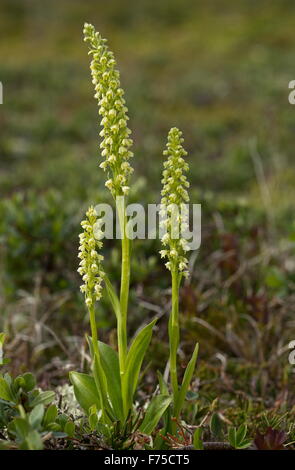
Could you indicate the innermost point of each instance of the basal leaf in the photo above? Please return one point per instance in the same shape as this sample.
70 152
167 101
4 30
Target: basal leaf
154 412
113 297
197 440
186 382
110 364
133 364
85 390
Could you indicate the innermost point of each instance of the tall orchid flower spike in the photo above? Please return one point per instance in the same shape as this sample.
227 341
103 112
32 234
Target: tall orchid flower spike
116 143
90 267
174 198
175 247
115 150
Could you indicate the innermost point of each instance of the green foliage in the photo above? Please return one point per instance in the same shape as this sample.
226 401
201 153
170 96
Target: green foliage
237 437
22 391
197 440
3 360
154 412
186 382
239 299
216 426
35 232
26 417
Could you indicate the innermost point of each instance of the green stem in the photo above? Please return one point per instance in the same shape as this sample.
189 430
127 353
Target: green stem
93 330
124 291
96 354
174 333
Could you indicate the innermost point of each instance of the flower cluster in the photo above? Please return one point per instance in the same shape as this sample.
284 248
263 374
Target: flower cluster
174 199
116 143
90 261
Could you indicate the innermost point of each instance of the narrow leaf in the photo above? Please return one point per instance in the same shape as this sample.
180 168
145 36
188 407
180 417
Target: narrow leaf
101 383
162 384
113 297
133 364
232 436
110 364
241 433
198 443
154 412
186 382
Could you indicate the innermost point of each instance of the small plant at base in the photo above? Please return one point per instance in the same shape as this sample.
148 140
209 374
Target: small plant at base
27 416
237 437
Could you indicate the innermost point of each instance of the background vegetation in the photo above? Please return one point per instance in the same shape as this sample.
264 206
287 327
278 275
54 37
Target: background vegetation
219 71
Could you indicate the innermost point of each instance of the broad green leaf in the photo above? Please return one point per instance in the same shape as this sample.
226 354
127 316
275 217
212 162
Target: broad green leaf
244 444
55 427
154 412
70 428
21 427
113 297
30 381
186 382
44 398
62 419
50 415
99 378
2 338
110 363
5 391
8 379
216 425
135 357
36 416
241 433
18 383
198 443
32 442
26 381
232 436
101 386
85 390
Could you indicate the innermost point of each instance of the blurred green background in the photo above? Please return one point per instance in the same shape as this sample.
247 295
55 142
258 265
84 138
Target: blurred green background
219 70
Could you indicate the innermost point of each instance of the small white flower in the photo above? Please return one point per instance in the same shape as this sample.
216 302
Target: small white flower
90 261
125 189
